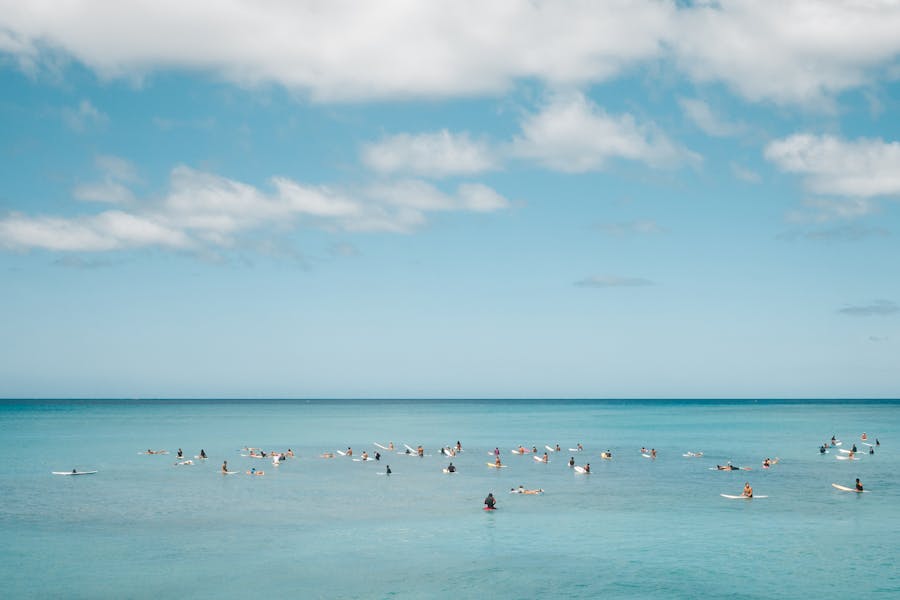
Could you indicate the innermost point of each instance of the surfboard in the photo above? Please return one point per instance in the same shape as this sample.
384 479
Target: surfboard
516 452
75 473
338 451
490 508
496 466
646 455
230 472
574 450
844 488
539 459
730 497
410 448
550 448
380 446
692 454
579 469
847 457
184 463
867 444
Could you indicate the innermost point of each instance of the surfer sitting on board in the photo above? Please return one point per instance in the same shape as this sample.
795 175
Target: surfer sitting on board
571 461
859 486
545 458
587 467
451 468
748 491
489 502
497 461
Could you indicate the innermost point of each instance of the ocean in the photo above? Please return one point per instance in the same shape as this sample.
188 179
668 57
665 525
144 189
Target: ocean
143 527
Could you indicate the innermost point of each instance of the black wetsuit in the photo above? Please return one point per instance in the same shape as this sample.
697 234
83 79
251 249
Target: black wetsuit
489 501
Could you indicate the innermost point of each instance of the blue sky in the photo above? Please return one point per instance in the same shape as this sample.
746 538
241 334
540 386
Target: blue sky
445 199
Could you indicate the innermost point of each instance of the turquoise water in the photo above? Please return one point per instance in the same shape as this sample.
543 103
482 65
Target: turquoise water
317 528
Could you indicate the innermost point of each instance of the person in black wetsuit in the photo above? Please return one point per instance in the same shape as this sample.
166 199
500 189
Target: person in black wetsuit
202 453
388 470
451 468
377 456
489 502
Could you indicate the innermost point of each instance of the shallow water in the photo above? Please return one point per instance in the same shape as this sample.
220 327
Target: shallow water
317 528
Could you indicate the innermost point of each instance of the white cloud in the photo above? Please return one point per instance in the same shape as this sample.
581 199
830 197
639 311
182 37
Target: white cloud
573 135
794 51
864 168
84 117
203 210
439 154
701 115
345 49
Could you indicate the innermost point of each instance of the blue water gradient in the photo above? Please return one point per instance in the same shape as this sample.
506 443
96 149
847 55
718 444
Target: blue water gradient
319 528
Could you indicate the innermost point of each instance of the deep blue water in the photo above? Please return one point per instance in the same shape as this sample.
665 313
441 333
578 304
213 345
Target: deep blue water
320 528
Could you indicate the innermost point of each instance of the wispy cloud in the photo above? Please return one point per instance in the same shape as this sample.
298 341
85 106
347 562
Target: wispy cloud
113 188
83 117
573 135
641 227
612 281
204 210
439 154
744 174
842 233
878 308
701 115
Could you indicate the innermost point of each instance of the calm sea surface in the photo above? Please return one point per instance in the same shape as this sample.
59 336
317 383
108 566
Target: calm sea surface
318 528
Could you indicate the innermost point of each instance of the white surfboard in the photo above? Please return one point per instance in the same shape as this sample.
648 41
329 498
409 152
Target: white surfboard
496 466
867 444
580 470
646 455
540 459
731 497
550 448
844 488
338 451
692 454
73 473
847 457
230 472
380 446
410 448
574 450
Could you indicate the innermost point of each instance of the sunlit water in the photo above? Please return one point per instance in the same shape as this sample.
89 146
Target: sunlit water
318 528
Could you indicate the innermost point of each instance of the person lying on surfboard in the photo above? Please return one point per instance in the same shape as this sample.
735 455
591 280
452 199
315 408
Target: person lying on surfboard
748 491
728 467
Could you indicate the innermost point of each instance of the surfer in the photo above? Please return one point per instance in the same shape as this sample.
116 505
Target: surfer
571 461
522 449
871 449
643 450
859 485
587 467
74 472
451 468
180 454
748 491
496 451
579 446
607 455
545 458
864 437
458 446
377 455
349 451
387 471
327 455
365 455
558 449
728 467
877 443
202 453
534 449
390 445
823 449
497 462
767 463
420 450
653 453
490 503
225 467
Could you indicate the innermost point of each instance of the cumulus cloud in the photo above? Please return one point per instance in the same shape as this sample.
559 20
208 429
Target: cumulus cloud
346 49
878 308
573 135
863 168
204 210
795 52
612 281
439 154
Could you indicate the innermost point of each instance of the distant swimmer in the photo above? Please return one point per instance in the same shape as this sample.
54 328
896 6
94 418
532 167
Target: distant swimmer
290 453
451 468
390 445
864 437
859 485
558 449
534 449
327 455
571 461
420 450
387 471
877 443
853 449
496 451
458 446
490 503
748 491
579 446
728 467
545 458
653 453
871 449
587 467
365 455
253 471
225 467
202 453
349 451
766 463
377 455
